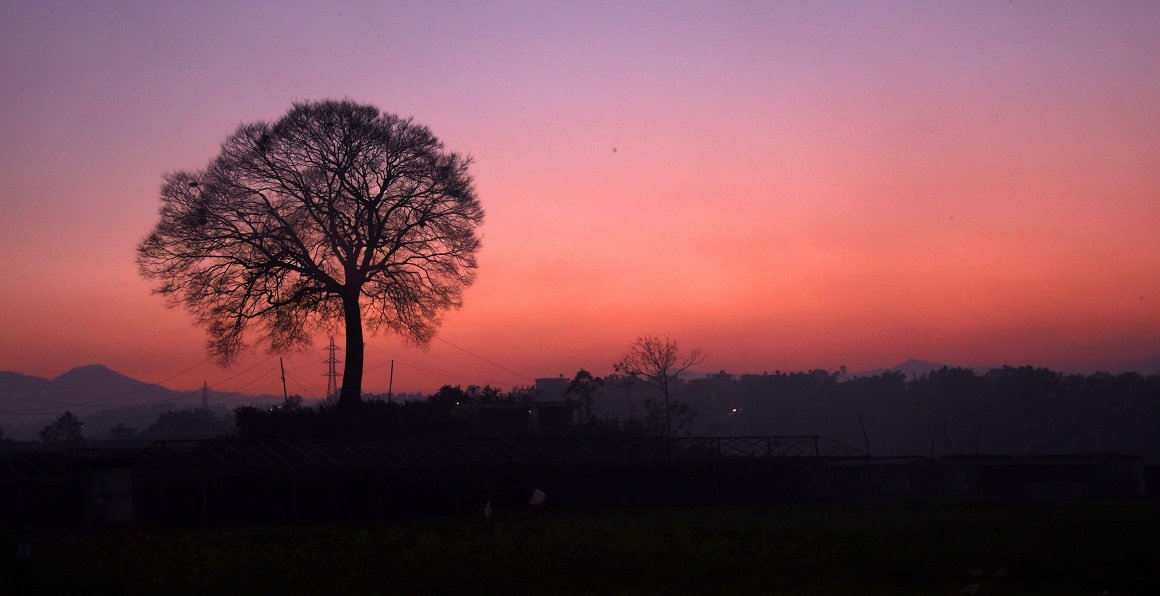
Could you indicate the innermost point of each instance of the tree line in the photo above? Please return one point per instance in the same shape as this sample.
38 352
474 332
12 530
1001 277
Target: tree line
1023 409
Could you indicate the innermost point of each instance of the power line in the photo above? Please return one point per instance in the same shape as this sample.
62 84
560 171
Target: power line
445 373
262 376
227 379
302 385
433 370
474 355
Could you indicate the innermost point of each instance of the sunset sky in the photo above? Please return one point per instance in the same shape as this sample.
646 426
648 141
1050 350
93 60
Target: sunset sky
784 185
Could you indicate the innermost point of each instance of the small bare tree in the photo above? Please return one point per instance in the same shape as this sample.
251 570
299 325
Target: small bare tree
658 363
334 211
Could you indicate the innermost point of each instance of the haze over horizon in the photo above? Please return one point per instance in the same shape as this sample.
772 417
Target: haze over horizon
785 186
911 366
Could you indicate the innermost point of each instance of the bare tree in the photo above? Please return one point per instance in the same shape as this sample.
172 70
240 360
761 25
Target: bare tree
658 362
333 212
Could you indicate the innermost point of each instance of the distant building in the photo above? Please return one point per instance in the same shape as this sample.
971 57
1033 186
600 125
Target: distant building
551 388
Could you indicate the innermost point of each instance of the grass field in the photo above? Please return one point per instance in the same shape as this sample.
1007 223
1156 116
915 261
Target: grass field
804 549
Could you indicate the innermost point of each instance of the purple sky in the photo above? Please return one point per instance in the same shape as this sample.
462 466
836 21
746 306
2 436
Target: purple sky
794 185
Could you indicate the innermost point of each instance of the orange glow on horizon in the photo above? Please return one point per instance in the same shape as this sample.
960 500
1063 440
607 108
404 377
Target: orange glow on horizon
784 186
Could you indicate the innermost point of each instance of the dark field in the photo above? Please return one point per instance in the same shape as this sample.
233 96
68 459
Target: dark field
805 549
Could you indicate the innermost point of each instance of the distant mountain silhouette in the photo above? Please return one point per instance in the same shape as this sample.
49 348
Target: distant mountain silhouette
15 385
97 384
101 397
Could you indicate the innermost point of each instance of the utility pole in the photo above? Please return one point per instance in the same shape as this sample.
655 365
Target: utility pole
285 398
391 383
204 395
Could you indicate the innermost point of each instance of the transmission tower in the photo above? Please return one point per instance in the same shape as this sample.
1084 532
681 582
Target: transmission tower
204 395
331 373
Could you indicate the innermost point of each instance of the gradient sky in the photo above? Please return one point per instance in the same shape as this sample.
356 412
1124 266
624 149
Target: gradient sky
784 185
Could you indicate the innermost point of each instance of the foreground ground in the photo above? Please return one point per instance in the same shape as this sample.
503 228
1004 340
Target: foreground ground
802 549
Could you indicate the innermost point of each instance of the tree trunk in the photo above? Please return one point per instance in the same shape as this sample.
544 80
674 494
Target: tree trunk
352 369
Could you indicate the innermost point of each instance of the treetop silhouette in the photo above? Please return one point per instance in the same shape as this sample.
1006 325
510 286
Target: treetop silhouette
659 363
336 211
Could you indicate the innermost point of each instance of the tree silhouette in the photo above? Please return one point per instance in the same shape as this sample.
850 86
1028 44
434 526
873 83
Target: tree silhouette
334 211
66 429
658 362
584 386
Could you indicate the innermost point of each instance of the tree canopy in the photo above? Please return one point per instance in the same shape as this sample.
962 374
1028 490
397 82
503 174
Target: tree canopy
65 429
659 363
334 212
